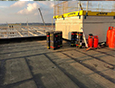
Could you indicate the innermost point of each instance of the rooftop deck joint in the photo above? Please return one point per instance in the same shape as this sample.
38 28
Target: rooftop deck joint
34 78
17 83
97 58
93 69
76 81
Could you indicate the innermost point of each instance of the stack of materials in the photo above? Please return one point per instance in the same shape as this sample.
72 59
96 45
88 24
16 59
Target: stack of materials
48 39
76 39
80 39
73 38
54 39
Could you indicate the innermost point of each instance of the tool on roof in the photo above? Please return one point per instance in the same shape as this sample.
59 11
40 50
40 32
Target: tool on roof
84 38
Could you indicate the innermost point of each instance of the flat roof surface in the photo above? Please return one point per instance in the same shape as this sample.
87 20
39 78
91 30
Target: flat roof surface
32 65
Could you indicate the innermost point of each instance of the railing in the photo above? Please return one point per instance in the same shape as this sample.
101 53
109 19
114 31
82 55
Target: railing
25 31
70 6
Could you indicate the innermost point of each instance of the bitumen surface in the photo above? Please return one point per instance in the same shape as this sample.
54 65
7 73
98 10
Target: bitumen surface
31 65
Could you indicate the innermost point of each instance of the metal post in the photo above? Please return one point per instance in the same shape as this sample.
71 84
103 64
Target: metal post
98 6
7 30
80 5
52 23
27 26
102 8
113 8
87 6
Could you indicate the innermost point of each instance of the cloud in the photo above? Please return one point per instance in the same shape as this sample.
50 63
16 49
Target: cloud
30 8
35 14
19 4
24 11
47 3
52 5
3 6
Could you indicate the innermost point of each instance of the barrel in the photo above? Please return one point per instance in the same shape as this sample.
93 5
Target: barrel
112 39
108 36
95 44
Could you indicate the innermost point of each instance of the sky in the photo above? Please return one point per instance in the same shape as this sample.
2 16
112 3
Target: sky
21 11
